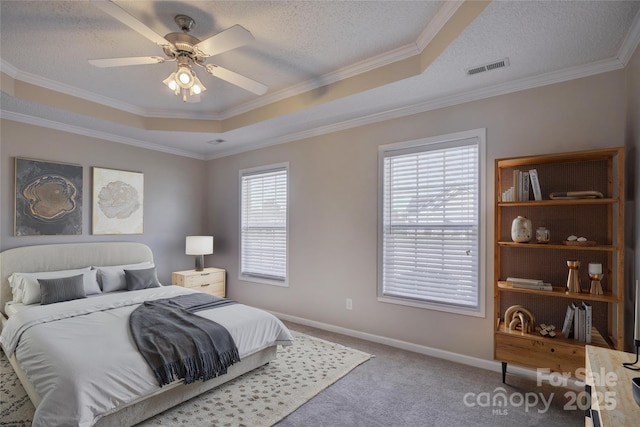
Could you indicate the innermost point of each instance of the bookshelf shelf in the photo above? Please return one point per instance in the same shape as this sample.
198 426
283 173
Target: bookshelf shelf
560 246
597 338
599 220
561 202
560 292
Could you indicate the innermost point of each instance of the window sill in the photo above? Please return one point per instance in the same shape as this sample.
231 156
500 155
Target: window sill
263 281
473 312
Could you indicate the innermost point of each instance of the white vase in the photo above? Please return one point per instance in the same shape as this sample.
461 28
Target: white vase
521 229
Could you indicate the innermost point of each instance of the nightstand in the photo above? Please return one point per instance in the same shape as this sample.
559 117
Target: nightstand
209 280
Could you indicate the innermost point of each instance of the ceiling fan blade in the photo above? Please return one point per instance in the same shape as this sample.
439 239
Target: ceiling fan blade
236 79
231 38
128 20
123 62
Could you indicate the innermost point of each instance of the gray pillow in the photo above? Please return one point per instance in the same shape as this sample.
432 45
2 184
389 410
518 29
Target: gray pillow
112 278
142 279
61 289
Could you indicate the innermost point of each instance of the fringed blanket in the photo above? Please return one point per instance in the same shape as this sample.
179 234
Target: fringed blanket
178 344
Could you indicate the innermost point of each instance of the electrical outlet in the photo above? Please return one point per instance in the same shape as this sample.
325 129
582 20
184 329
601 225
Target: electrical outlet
349 304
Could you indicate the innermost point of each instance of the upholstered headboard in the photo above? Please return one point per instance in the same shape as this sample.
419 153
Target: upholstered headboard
29 259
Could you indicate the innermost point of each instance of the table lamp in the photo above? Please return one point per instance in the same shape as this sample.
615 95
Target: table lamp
199 246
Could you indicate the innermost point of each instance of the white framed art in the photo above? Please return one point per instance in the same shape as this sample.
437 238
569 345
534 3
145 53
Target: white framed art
118 201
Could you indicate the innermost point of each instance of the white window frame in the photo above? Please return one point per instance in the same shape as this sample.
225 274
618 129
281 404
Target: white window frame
251 277
440 141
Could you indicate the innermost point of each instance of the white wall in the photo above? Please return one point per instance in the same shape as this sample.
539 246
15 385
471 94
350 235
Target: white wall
333 193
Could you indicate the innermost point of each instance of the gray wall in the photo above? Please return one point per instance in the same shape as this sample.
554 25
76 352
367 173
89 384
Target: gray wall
173 201
334 199
333 216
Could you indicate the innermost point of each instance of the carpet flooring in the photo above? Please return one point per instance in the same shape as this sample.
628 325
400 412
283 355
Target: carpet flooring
405 389
258 398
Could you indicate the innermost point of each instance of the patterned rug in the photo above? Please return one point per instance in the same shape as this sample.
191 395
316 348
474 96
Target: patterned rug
259 398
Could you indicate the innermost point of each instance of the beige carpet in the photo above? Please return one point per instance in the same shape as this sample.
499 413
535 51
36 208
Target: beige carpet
259 398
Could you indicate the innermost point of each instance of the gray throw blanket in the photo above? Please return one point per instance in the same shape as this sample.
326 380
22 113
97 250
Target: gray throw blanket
178 344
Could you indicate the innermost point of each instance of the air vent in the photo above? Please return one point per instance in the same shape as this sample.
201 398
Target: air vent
488 67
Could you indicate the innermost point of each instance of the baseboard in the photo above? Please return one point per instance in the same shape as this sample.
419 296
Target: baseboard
490 365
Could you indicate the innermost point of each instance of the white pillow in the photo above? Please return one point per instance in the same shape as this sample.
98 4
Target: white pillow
15 281
91 285
112 278
29 288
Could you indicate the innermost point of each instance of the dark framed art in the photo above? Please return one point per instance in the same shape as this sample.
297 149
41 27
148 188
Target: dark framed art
48 198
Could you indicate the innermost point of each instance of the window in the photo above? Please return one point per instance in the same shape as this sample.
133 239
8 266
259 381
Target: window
263 224
429 233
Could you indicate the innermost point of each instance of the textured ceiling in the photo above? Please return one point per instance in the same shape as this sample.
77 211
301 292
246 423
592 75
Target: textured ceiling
299 47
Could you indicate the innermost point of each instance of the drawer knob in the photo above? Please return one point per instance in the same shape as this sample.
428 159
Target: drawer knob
552 350
202 286
205 274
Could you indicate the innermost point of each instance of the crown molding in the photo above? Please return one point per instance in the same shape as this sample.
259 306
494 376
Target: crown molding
43 82
434 104
67 89
446 11
369 64
8 69
393 113
630 42
64 127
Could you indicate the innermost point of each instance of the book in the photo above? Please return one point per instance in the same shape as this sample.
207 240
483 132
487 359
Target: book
517 185
588 321
507 195
525 281
576 195
581 324
525 186
535 184
537 287
568 322
576 322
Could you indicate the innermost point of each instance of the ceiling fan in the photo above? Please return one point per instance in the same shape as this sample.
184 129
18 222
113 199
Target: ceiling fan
186 50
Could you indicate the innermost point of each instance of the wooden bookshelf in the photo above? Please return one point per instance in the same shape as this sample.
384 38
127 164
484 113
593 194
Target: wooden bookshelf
599 220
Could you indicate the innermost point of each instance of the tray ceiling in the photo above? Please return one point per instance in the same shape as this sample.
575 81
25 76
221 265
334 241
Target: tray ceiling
328 64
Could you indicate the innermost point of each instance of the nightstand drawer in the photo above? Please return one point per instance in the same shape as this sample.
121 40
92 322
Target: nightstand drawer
216 289
196 280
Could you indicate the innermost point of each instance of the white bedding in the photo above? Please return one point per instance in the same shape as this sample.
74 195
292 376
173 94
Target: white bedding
81 359
12 308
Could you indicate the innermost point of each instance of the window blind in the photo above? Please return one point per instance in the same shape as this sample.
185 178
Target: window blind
430 223
264 224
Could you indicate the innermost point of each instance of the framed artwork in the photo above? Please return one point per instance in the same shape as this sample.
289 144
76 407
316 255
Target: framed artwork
118 201
48 198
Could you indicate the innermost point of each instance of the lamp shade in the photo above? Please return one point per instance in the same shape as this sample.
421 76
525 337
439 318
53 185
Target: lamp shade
199 245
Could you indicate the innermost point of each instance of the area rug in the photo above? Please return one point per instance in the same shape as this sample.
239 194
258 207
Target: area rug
259 398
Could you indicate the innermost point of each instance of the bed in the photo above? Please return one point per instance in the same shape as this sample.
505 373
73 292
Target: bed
84 347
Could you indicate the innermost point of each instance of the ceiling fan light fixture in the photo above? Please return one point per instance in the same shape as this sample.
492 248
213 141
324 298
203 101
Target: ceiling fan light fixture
184 77
171 83
197 87
187 51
